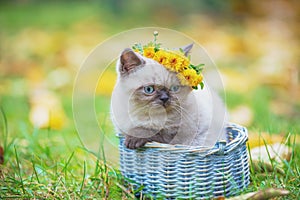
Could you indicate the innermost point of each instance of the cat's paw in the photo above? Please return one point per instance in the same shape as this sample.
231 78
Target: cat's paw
134 143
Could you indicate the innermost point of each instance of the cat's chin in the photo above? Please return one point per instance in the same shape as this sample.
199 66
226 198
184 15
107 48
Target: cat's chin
161 109
165 106
157 111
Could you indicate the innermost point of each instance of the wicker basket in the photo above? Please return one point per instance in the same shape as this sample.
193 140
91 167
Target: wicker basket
177 171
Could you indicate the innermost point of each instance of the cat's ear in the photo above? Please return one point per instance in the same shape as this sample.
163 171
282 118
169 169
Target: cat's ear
187 49
129 61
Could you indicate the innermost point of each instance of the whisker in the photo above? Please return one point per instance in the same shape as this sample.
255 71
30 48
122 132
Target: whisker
184 114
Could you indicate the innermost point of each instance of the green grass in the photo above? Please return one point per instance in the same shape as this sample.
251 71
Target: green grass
46 15
43 164
277 174
264 119
51 164
54 165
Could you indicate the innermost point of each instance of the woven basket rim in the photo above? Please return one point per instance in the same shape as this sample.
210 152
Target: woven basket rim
224 145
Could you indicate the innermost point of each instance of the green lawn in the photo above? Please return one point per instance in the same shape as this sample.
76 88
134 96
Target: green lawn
54 164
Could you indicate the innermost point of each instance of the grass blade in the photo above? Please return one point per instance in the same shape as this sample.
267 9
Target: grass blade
19 170
83 178
5 128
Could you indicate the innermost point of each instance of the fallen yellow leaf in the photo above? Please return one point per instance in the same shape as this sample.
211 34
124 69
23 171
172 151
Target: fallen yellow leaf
46 110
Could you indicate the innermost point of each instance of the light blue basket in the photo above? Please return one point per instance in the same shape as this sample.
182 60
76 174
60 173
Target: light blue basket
178 171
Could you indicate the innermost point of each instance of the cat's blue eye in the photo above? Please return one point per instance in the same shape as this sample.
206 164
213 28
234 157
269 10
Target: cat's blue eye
149 89
175 88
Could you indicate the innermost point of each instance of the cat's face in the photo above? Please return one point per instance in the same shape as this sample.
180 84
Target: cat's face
153 93
157 96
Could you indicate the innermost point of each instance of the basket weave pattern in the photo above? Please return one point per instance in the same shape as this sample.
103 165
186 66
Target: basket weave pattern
184 172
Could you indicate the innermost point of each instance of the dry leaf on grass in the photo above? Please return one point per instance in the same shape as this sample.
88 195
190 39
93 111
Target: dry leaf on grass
275 151
260 138
262 194
46 110
219 198
269 193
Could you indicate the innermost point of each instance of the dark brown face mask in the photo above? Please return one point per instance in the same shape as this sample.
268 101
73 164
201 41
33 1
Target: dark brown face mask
163 95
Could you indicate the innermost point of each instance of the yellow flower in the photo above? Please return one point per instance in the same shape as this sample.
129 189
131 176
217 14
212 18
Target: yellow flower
176 62
149 52
171 60
182 79
186 62
162 57
190 77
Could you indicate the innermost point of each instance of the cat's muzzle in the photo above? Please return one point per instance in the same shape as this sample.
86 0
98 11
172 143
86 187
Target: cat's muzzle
164 97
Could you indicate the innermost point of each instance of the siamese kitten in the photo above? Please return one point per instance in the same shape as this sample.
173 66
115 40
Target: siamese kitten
149 104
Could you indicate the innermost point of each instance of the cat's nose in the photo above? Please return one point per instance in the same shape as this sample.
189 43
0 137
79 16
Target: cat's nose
164 97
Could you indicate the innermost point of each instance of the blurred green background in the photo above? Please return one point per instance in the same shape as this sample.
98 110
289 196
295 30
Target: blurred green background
255 45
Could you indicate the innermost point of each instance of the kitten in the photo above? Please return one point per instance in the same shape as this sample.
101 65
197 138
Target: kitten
149 104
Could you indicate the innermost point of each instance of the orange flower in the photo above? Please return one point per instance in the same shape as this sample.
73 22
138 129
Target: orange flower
162 58
190 77
149 52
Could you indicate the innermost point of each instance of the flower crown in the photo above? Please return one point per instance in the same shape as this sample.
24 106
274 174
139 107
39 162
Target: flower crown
175 61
